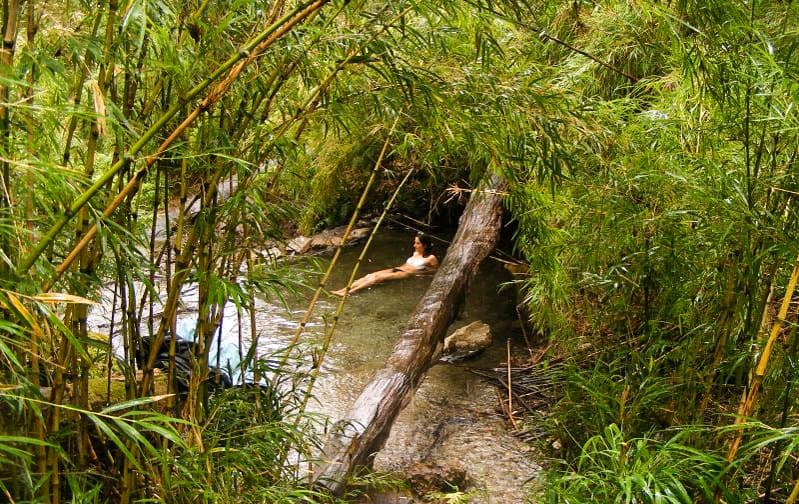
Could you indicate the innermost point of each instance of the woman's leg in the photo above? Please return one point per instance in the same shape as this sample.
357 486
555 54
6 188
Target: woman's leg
374 278
360 283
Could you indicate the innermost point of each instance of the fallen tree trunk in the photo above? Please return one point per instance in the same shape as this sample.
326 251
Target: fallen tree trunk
361 434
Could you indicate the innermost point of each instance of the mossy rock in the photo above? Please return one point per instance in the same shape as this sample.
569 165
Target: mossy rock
100 398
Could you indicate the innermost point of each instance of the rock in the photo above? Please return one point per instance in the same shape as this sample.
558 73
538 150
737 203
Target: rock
429 477
359 233
273 253
326 239
332 237
184 363
300 245
467 341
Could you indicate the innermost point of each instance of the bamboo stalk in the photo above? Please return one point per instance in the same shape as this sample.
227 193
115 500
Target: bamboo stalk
786 408
725 322
132 81
130 325
510 387
195 401
10 27
750 399
80 312
57 399
154 261
794 493
32 27
181 273
253 333
39 426
110 360
171 319
317 365
78 93
345 236
234 66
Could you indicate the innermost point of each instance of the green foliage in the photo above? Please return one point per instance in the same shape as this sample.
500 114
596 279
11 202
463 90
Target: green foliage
656 264
629 393
335 173
650 150
612 467
246 441
453 497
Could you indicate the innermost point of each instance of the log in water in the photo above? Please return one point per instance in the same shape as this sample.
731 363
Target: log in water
363 431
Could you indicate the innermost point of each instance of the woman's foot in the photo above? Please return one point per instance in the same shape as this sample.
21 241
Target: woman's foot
339 293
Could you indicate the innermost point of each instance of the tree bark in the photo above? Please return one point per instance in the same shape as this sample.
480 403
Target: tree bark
362 433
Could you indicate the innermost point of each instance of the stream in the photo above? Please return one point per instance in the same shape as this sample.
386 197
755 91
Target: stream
453 419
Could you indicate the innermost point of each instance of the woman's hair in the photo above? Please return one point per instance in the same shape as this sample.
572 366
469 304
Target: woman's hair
426 242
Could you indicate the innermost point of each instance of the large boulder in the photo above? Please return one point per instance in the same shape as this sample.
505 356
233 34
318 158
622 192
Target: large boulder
467 341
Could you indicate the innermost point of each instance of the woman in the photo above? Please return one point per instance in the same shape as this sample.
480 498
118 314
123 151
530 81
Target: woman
422 261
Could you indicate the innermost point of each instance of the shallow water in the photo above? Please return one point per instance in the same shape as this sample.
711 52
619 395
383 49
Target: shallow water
453 418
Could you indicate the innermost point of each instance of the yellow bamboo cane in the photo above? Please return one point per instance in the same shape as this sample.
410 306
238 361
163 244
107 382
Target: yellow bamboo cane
234 66
340 308
213 96
749 400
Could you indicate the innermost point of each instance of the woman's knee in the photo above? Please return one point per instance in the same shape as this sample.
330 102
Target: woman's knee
380 275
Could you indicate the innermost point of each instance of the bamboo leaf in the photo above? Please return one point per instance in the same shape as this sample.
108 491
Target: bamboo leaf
60 297
109 432
135 403
22 310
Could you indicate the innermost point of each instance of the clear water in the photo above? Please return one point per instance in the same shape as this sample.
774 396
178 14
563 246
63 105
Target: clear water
453 418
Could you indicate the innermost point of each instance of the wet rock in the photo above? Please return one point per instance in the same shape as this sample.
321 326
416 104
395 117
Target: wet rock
273 253
184 363
300 245
467 341
359 233
326 239
429 477
333 237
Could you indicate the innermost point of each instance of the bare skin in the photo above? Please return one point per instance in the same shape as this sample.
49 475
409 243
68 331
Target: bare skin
403 271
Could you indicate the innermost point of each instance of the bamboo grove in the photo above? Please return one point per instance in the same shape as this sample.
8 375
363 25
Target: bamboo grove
153 151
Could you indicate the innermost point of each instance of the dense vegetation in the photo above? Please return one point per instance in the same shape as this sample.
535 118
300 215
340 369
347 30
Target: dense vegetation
649 150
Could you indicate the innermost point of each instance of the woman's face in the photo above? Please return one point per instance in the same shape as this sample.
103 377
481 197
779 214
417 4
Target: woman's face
417 246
